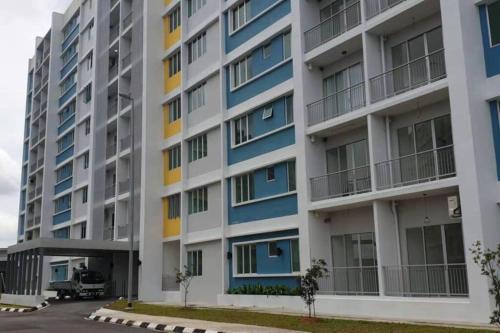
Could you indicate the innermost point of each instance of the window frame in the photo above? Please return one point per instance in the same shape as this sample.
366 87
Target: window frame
270 171
198 200
175 202
197 97
191 255
174 64
198 148
197 47
275 250
244 6
174 157
174 19
241 181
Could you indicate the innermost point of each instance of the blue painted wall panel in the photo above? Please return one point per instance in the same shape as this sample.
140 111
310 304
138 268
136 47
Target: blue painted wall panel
61 217
491 54
64 185
278 75
280 139
62 233
66 124
496 133
264 188
65 155
266 264
258 25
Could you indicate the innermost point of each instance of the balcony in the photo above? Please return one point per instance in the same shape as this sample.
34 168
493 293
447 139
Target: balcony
124 186
122 231
376 7
336 105
43 106
114 31
30 222
63 156
41 134
441 280
127 21
36 113
40 162
67 123
33 167
37 220
350 281
70 37
39 190
416 168
69 65
340 184
127 60
415 74
113 72
110 151
31 195
125 143
67 95
334 26
109 192
112 108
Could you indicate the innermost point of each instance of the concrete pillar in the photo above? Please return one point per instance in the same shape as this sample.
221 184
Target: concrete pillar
35 273
18 272
40 274
8 274
29 277
22 287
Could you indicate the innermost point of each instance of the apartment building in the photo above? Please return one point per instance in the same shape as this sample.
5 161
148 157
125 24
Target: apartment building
274 132
76 158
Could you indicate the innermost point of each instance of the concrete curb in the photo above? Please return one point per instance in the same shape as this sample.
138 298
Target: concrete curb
35 308
150 326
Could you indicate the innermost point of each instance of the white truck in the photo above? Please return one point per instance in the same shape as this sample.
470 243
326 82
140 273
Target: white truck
83 284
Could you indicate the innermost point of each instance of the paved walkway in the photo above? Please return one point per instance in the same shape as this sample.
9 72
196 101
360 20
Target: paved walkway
208 325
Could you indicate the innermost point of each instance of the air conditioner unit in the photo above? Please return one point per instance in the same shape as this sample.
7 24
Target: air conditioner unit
454 209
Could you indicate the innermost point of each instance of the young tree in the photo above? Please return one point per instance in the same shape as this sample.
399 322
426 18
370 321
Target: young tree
489 262
309 283
184 279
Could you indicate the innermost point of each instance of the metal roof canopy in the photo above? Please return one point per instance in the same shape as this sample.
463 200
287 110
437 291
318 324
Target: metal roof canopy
72 247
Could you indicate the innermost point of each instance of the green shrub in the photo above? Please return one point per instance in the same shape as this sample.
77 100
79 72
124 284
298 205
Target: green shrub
258 289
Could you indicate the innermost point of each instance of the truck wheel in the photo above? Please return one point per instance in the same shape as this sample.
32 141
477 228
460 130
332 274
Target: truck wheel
75 296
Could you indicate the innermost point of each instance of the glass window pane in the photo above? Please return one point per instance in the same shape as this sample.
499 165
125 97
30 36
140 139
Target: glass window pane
295 255
253 254
435 40
416 48
239 260
433 245
246 259
399 55
423 136
406 141
494 21
442 128
415 246
454 243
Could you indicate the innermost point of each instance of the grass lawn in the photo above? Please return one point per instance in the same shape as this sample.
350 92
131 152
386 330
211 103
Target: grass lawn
282 321
13 306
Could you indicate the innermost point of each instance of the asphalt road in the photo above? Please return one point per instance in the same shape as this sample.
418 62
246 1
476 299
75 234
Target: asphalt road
61 317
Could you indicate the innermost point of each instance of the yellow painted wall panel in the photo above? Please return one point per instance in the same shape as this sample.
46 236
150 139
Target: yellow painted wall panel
170 128
170 176
170 38
171 227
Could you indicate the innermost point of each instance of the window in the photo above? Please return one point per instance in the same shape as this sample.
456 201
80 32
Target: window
198 200
85 194
243 128
86 161
294 249
246 259
197 47
174 110
195 262
196 98
62 204
174 206
89 30
242 71
87 126
64 172
270 174
174 158
287 45
266 51
65 142
62 233
175 19
87 94
292 185
194 6
89 61
174 64
273 249
197 148
494 23
289 109
244 188
66 113
267 113
240 15
83 230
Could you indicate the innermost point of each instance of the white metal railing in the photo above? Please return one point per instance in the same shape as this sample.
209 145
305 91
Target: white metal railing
375 7
110 150
109 192
416 73
416 168
350 281
334 26
342 183
441 280
125 143
169 283
337 104
124 186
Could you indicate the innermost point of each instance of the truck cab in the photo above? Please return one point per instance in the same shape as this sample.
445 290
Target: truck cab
84 283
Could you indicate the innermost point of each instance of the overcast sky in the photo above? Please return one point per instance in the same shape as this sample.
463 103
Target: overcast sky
20 22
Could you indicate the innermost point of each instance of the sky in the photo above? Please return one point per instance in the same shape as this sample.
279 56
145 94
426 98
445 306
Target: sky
20 22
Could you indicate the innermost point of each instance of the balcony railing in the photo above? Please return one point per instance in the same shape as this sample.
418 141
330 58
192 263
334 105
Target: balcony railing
110 150
40 162
123 186
375 7
333 27
112 108
416 168
127 21
335 105
41 134
37 113
415 74
30 222
350 281
113 72
33 166
444 280
31 195
109 192
342 183
169 283
113 32
122 231
127 60
43 106
108 233
37 220
125 143
39 191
